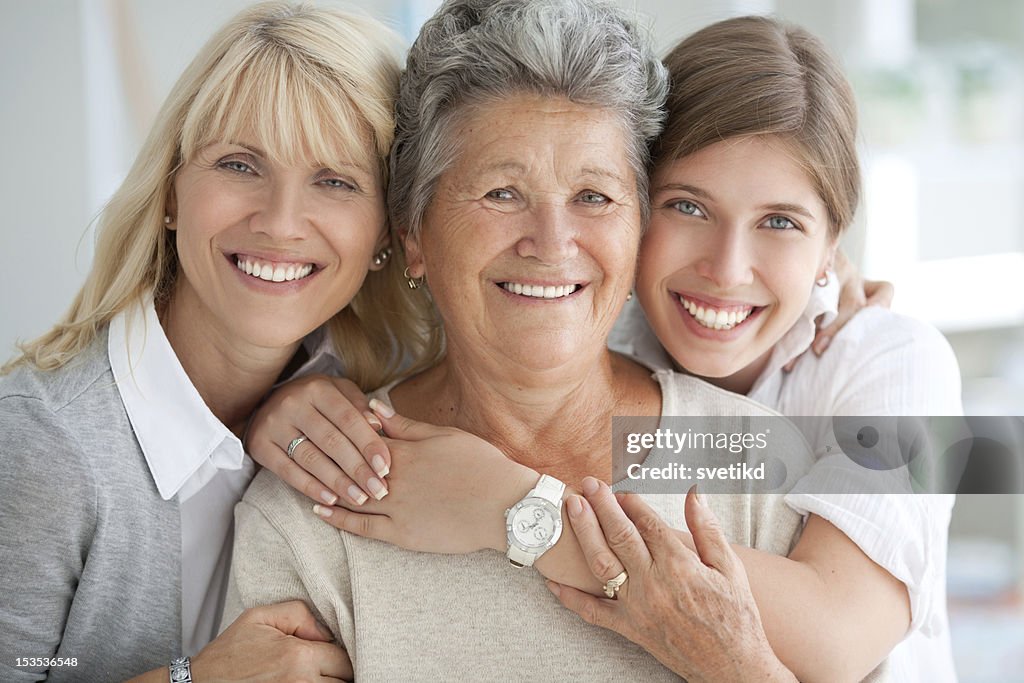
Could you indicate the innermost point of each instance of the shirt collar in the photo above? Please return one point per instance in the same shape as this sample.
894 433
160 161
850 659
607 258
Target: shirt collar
173 425
824 301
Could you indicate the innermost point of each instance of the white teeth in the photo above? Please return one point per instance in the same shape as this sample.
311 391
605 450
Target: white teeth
540 291
715 319
271 273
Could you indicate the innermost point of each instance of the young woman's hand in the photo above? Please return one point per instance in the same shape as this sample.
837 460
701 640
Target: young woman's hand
692 610
342 455
448 491
855 293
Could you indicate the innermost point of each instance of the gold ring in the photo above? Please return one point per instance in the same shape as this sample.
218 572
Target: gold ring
611 586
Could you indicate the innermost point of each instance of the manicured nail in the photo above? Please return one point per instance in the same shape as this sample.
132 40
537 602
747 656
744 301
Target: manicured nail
379 466
328 497
356 494
381 408
589 486
554 588
373 420
575 505
322 511
376 488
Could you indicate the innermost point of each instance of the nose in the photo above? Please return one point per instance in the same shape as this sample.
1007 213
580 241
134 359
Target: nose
725 258
281 214
550 234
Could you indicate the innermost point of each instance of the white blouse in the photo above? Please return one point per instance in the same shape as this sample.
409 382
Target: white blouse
879 364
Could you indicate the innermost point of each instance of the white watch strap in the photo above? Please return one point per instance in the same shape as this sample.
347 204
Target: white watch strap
549 489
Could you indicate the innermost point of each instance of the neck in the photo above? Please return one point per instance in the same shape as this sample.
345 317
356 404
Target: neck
742 381
554 420
231 376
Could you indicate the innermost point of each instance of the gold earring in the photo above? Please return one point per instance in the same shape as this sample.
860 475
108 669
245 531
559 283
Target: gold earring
382 256
413 282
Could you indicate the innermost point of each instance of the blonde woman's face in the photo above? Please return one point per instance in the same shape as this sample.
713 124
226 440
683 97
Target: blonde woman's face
267 251
737 238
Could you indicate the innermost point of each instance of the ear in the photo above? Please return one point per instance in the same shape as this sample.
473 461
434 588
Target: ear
383 243
413 254
828 258
171 208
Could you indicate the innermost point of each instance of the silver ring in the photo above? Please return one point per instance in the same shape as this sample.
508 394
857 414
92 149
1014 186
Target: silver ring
295 444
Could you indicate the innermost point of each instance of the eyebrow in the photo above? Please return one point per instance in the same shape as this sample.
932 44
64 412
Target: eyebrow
782 207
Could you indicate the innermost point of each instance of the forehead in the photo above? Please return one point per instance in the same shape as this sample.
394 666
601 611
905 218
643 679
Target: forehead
749 168
529 133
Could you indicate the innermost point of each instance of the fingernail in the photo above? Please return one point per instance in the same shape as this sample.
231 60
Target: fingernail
376 488
696 495
373 420
379 466
820 347
381 408
322 511
328 497
575 506
554 588
589 486
356 494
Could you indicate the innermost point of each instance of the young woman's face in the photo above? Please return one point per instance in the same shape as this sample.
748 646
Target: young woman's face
738 236
268 251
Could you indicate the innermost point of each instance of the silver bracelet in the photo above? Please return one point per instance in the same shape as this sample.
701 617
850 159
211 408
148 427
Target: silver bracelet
181 670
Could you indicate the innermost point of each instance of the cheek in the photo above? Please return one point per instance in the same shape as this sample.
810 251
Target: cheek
663 252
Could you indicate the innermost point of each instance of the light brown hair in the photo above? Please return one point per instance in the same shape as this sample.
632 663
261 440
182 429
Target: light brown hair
752 76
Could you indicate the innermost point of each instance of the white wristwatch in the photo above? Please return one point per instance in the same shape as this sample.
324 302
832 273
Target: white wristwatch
534 524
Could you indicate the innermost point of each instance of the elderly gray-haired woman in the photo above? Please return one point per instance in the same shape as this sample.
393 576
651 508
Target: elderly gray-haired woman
519 181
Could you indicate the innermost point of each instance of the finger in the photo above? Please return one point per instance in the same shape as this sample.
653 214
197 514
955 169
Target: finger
341 463
332 661
788 367
352 422
619 532
362 524
879 293
603 563
400 427
656 535
712 545
291 473
597 611
292 618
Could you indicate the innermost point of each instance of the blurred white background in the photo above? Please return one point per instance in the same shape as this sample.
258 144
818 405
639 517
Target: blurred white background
940 85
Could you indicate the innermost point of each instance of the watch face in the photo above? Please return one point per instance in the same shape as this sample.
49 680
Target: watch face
534 523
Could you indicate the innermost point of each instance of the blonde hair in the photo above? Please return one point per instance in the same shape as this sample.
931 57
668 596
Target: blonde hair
752 76
299 79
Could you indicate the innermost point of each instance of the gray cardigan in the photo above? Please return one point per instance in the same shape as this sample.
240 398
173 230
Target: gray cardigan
90 554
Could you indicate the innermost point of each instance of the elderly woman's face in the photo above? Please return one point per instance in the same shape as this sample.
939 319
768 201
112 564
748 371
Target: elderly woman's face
530 243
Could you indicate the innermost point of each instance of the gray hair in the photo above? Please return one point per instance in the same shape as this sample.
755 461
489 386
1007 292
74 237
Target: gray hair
478 51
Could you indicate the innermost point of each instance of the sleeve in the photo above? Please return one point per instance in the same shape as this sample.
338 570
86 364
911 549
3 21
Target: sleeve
886 366
47 522
284 552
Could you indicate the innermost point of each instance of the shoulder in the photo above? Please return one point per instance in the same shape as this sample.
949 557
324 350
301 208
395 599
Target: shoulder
688 395
884 363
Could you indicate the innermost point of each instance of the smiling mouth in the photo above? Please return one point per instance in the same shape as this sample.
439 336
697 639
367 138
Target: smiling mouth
273 272
541 291
717 318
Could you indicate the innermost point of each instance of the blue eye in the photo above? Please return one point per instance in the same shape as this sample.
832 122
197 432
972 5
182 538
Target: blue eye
781 223
688 208
501 194
237 166
594 198
338 183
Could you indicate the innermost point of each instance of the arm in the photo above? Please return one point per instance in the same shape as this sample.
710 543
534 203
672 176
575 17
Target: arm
450 490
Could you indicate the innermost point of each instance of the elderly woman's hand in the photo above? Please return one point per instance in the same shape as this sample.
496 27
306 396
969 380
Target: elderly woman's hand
693 611
336 451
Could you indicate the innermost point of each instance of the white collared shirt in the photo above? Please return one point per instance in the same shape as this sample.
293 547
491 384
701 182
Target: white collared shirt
190 454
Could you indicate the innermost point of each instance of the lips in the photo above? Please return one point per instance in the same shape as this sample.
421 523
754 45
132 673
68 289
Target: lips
273 271
716 317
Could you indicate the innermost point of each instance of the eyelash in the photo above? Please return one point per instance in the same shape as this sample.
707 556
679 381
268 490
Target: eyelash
492 194
793 225
603 199
229 163
699 212
247 168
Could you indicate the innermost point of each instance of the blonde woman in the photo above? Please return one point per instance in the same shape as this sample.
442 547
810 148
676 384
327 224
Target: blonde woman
253 217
